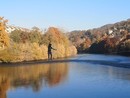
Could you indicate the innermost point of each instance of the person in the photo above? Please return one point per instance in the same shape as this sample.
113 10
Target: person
50 51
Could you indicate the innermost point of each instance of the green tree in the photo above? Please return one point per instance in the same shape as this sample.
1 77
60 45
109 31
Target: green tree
15 36
35 35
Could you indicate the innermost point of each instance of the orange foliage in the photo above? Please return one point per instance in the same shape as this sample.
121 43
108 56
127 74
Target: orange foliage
33 76
4 38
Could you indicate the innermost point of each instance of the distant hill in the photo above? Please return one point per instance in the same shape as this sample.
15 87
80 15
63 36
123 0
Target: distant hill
116 34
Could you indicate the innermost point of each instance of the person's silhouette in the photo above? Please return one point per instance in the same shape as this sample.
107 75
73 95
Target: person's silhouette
49 51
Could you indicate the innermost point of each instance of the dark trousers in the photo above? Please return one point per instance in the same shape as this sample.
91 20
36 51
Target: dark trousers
49 56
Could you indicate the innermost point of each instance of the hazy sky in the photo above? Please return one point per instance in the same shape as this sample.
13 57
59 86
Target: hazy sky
66 14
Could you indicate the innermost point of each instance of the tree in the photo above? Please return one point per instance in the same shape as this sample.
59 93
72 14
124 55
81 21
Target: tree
4 38
35 35
15 36
54 35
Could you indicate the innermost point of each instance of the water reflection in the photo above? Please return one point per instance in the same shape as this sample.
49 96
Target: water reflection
34 76
86 78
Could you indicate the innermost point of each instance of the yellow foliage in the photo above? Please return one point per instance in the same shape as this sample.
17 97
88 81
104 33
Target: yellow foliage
4 38
32 76
28 51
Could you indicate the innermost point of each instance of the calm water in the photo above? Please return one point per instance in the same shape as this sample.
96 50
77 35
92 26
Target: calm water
83 76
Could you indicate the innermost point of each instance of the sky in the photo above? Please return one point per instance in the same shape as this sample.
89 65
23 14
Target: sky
66 14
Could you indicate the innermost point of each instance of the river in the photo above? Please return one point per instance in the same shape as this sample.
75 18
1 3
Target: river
82 76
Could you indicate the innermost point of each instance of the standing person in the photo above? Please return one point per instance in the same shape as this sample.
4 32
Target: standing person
49 51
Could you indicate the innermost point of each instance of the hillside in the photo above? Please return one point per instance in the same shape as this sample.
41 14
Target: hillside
110 38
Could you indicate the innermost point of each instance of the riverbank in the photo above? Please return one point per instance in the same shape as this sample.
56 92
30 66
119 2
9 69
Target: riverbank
96 59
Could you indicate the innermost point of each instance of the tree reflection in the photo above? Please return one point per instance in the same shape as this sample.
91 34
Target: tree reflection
4 85
31 76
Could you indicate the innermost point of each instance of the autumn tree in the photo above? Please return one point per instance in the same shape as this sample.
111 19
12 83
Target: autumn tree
4 38
54 35
84 46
